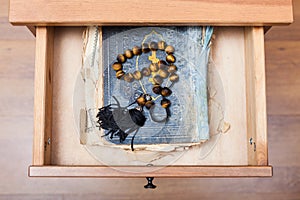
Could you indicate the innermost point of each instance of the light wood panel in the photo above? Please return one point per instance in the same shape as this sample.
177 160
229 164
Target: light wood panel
256 96
228 50
9 51
287 33
283 77
284 140
8 31
43 96
164 172
16 122
137 12
149 195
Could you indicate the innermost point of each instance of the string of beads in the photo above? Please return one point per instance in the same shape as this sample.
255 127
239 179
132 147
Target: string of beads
161 70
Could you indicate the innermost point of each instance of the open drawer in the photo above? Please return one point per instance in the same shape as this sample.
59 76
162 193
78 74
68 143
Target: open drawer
237 53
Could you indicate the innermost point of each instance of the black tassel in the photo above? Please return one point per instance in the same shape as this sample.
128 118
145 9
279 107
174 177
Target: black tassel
137 117
106 121
132 149
168 111
120 121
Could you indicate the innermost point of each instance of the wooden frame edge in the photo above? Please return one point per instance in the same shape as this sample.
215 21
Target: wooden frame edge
43 95
237 13
256 96
43 109
139 172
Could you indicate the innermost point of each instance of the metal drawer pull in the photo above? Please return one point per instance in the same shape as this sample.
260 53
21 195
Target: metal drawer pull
150 185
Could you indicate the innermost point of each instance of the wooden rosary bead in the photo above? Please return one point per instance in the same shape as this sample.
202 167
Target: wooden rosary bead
121 58
165 103
146 71
165 92
117 66
149 104
156 89
170 58
158 80
172 68
137 75
170 49
136 50
174 77
163 73
141 100
153 67
120 74
145 48
128 77
161 45
162 64
128 53
153 46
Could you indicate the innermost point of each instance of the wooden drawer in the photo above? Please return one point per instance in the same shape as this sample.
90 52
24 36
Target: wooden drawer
242 151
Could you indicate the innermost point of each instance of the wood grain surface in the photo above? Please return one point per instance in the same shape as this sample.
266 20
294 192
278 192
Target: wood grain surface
66 149
138 12
43 95
17 50
165 172
256 95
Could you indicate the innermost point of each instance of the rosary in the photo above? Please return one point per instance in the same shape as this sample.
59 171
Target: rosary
121 121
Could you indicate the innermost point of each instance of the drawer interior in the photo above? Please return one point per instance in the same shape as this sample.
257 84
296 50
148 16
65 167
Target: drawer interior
236 66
